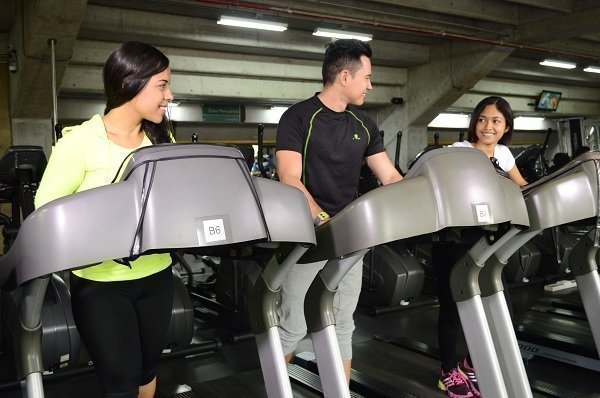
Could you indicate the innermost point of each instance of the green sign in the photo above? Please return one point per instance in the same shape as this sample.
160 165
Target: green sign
222 113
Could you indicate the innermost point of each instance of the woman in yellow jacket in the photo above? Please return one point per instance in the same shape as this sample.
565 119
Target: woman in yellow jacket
122 311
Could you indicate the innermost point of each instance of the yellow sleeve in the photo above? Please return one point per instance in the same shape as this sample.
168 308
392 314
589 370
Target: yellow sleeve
64 172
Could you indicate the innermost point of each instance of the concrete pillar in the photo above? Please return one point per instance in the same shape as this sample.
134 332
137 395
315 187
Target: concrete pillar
36 22
33 132
453 70
391 120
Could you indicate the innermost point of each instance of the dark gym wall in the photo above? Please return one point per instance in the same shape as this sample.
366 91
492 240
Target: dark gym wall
5 130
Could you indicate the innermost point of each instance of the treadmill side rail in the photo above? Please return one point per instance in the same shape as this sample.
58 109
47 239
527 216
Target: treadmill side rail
446 188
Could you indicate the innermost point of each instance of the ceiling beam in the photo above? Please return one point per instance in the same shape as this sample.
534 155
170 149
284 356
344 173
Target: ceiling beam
103 23
248 90
577 46
531 90
93 54
560 26
523 105
554 5
530 70
487 10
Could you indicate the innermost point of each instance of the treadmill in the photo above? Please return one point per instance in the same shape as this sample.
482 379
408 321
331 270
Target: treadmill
568 195
445 189
188 197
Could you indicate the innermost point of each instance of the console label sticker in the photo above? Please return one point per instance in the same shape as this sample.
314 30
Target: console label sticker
483 215
213 230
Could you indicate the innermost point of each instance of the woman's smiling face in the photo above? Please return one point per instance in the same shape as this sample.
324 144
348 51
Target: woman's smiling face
491 125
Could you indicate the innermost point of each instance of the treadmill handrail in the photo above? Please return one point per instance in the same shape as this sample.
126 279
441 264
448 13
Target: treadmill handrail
569 194
448 187
189 195
573 164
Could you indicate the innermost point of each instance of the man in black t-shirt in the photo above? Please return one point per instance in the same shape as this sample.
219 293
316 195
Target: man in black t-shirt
321 144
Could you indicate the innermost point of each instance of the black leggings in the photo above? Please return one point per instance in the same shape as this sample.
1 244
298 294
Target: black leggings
443 256
124 328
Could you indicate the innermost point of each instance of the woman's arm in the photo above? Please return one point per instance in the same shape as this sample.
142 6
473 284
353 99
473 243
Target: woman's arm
515 175
64 172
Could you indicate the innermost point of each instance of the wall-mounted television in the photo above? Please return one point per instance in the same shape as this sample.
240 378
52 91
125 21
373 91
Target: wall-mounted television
548 101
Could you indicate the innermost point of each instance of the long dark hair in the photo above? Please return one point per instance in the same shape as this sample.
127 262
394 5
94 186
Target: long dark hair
343 54
126 72
504 108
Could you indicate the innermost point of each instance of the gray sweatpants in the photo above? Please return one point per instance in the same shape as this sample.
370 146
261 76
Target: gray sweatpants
292 325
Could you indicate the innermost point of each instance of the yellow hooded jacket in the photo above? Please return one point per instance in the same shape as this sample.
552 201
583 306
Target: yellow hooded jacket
83 159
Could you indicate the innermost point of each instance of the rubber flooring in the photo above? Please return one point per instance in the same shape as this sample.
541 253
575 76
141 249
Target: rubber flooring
234 371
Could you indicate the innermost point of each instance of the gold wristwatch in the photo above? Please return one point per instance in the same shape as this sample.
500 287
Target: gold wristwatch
321 216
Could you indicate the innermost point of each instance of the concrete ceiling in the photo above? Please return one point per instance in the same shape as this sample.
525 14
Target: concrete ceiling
437 55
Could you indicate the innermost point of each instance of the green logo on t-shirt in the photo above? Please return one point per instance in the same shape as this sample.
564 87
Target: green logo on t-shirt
356 137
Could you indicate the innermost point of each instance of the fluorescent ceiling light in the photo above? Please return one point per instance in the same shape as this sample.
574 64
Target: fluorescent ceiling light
340 34
558 64
530 123
274 114
252 23
450 120
593 69
461 121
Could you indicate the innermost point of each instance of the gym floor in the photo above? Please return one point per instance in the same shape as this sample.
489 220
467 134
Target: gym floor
234 370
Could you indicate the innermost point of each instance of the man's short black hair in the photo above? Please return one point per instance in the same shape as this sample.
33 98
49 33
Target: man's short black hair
343 54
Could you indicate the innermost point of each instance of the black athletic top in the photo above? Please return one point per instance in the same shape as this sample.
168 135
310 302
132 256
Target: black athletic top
333 146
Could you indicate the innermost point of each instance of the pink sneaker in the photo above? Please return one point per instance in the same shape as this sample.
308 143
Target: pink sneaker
454 384
469 374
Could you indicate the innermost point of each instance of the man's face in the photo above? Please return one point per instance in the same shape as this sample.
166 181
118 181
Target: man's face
358 85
